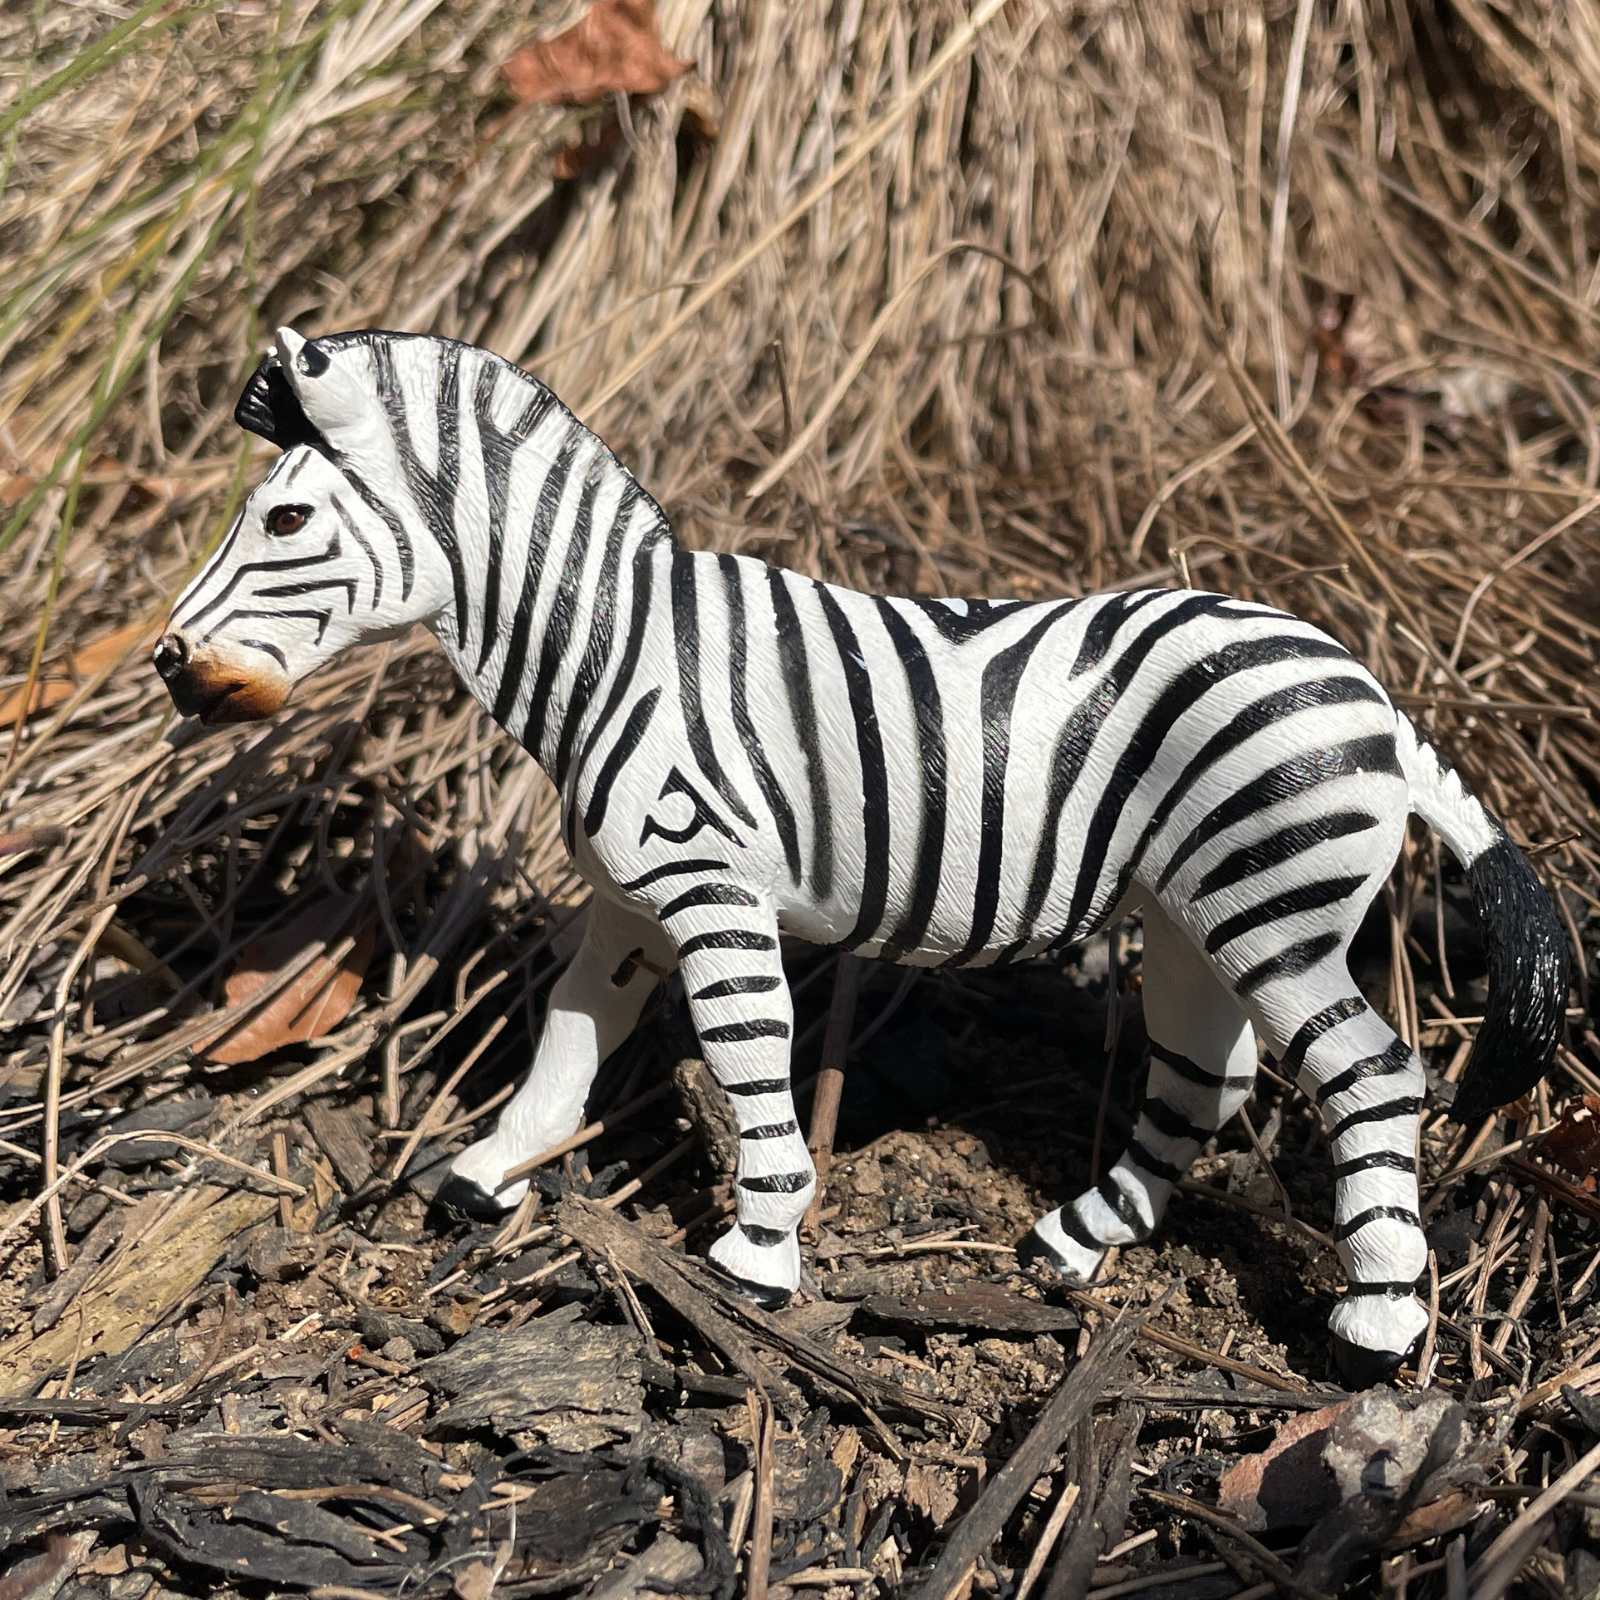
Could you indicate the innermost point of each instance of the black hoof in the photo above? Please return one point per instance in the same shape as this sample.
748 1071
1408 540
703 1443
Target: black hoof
761 1294
1033 1250
1360 1368
465 1198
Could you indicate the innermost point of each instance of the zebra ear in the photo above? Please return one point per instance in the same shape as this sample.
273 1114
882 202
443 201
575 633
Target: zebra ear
270 408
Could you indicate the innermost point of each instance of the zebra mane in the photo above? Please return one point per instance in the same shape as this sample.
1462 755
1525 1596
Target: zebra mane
269 408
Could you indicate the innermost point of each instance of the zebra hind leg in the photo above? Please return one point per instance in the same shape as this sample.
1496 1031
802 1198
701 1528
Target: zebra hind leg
1369 1086
1202 1066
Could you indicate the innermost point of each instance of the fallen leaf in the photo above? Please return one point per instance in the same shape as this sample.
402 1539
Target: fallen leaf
314 1004
612 48
56 684
1574 1142
1287 1484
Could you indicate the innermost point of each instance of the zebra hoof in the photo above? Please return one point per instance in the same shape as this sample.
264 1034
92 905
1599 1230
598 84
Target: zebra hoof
1360 1368
465 1198
1033 1251
765 1295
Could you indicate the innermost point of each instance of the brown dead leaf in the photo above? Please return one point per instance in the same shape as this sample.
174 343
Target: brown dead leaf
1574 1142
314 1004
57 683
612 48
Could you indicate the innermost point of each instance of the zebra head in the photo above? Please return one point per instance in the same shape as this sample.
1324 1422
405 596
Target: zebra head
324 555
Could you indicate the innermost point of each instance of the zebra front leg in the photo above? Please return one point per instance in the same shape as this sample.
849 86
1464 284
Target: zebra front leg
1202 1066
594 1006
727 945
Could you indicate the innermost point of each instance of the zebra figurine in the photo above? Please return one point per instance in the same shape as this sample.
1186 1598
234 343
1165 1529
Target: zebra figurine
742 752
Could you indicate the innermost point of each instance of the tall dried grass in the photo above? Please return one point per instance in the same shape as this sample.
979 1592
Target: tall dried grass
1297 301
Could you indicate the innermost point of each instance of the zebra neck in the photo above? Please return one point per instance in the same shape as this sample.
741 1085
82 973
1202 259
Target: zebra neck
549 649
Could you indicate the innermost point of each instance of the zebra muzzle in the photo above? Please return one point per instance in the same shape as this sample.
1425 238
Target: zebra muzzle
219 682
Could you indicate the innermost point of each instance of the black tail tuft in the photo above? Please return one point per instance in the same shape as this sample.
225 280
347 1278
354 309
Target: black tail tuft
1528 959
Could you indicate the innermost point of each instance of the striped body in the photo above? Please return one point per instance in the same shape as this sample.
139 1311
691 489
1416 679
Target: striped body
741 751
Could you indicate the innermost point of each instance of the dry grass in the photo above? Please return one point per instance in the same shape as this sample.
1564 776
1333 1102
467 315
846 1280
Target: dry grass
1297 301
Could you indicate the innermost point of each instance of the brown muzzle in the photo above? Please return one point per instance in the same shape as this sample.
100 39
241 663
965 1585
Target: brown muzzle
219 682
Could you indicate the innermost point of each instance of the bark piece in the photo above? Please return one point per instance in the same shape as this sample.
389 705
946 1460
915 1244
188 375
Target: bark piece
159 1269
989 1307
706 1106
345 1138
568 1381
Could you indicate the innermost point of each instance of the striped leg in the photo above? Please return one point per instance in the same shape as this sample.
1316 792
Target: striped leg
1202 1064
727 943
1369 1086
594 1006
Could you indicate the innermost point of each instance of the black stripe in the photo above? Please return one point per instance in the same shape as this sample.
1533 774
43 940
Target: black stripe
1152 1163
1303 897
766 780
686 641
434 492
1396 1058
1074 744
923 688
1374 1214
240 573
1121 1202
633 730
1078 1230
1297 958
745 1032
757 983
602 621
1299 775
708 894
726 939
1407 1106
270 649
498 448
551 491
753 1086
777 1183
874 776
1313 1028
283 591
1179 697
766 1238
672 869
1183 1067
630 656
803 714
1392 1160
350 527
1393 1289
321 618
771 1130
1173 1123
1257 716
998 692
1279 847
558 626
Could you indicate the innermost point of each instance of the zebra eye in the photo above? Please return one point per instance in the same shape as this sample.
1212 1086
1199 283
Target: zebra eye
287 519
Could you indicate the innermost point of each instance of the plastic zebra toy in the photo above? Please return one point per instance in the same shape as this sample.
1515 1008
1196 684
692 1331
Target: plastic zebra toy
741 751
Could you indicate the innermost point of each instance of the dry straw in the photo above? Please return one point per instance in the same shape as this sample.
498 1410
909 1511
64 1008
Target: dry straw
1297 302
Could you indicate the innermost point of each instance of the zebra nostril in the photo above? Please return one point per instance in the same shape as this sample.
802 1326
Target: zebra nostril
171 656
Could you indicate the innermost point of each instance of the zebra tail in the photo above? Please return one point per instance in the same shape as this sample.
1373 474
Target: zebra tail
1524 944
